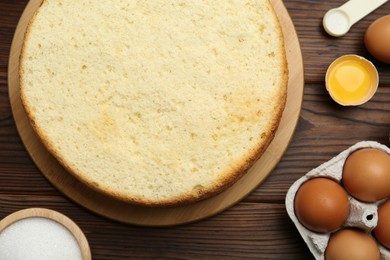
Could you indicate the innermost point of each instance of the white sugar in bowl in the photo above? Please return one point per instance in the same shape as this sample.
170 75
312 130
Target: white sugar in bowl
38 233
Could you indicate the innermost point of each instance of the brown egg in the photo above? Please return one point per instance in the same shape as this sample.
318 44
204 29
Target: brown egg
382 230
366 174
321 205
377 39
351 244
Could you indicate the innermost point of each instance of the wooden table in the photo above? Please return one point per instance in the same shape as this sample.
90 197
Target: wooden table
258 226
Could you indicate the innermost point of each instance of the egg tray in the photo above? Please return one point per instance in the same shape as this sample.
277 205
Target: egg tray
362 215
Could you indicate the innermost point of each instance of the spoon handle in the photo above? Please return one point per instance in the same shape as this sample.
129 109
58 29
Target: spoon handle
357 9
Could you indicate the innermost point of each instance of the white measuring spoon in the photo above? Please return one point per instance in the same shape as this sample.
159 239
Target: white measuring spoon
338 21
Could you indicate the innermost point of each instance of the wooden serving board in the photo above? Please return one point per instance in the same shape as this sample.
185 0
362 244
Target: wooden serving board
127 213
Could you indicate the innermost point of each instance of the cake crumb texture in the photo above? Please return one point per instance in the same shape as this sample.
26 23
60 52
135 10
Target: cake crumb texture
156 102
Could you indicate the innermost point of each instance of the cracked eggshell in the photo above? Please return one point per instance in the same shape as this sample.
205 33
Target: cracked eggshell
362 215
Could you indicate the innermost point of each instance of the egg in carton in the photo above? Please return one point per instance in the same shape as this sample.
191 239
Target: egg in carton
361 215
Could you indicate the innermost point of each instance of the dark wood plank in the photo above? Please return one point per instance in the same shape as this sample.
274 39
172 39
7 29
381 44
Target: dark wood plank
320 49
245 231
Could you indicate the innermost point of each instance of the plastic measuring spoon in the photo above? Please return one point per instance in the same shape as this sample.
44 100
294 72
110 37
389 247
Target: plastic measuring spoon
338 21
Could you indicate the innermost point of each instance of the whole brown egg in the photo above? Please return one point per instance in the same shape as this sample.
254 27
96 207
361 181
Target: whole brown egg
377 39
382 230
321 205
351 244
366 174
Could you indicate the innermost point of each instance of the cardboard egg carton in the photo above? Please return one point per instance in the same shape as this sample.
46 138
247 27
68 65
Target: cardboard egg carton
362 215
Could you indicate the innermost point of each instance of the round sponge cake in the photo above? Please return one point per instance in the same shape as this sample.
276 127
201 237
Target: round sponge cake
155 102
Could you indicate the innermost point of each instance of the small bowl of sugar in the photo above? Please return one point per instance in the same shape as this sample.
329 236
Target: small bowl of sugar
38 233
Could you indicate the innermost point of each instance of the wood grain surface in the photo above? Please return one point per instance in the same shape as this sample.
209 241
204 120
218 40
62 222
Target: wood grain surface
258 227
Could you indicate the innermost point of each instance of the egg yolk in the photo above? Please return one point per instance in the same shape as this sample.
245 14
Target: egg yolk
350 81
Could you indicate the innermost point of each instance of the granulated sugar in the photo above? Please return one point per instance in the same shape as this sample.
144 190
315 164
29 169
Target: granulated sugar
337 22
38 238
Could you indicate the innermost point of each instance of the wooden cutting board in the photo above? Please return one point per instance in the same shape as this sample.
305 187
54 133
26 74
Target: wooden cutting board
127 213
